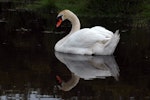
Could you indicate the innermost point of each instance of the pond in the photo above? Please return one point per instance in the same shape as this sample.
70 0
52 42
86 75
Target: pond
30 69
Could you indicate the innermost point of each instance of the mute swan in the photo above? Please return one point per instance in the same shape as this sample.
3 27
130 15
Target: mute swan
87 41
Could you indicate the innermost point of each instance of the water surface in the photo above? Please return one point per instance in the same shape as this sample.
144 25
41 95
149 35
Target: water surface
30 69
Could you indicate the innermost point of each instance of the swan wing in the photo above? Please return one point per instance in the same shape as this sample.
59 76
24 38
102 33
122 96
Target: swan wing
85 38
103 31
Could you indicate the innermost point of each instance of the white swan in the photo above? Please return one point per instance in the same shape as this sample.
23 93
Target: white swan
88 41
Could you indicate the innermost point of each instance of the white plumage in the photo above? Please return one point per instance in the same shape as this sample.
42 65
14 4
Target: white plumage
87 41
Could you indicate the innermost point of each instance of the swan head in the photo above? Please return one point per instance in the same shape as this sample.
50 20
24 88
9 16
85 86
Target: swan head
63 15
67 86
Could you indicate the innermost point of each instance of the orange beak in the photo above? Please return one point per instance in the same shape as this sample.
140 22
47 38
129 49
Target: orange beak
59 22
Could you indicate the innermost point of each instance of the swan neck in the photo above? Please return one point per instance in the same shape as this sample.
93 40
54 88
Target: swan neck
75 23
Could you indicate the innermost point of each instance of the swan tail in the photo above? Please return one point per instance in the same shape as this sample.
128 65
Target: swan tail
112 43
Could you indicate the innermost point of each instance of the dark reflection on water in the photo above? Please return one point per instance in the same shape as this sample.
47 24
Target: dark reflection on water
90 67
87 68
28 71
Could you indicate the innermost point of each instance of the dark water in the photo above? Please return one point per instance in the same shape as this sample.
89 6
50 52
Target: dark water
31 70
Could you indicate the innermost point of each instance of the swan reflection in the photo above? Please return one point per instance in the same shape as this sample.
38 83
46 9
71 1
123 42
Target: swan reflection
87 67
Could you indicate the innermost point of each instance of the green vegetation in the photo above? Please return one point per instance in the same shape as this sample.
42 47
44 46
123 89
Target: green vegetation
137 10
115 8
97 7
102 7
45 9
142 18
78 6
42 6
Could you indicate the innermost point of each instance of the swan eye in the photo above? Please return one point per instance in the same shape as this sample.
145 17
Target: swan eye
59 17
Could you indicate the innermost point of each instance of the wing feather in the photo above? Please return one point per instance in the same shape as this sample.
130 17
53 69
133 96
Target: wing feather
85 38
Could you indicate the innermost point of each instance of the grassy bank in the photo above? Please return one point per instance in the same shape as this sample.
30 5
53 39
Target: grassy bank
137 10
